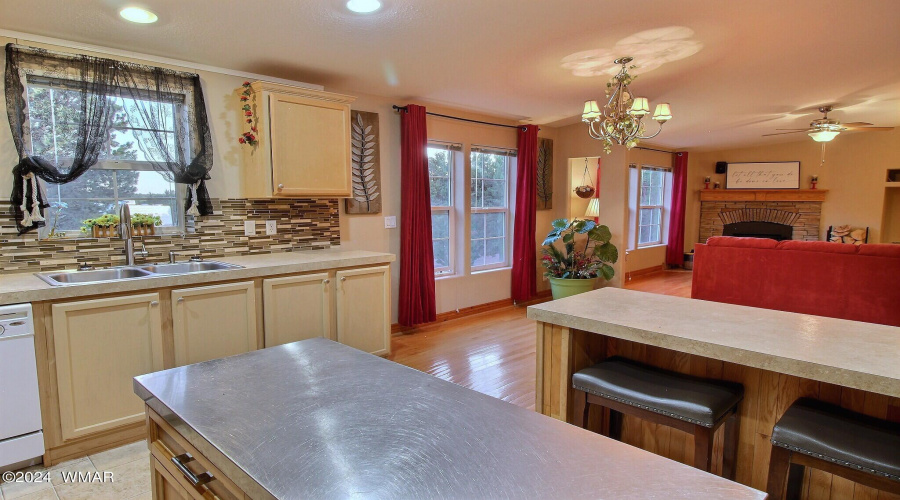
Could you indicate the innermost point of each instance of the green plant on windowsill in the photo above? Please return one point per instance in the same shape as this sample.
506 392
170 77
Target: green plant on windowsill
577 269
145 220
105 221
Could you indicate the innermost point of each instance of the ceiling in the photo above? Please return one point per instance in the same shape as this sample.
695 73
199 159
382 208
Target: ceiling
764 64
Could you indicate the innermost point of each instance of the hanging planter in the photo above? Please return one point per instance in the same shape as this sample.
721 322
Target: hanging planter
585 190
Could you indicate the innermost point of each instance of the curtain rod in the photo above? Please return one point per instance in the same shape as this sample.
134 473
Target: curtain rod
523 127
652 149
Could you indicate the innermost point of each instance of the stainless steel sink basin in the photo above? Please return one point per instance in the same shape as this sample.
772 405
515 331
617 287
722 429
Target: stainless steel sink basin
63 278
188 267
58 278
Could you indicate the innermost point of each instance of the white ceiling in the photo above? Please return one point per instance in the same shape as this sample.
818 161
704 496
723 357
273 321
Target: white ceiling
764 63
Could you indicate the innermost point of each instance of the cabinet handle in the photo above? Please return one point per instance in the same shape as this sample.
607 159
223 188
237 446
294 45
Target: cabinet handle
180 299
343 278
194 479
154 303
325 282
281 186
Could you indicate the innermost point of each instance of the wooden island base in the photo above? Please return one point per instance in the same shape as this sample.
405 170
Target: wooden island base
562 351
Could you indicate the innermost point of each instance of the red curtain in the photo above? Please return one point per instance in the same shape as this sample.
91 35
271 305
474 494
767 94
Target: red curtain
675 247
416 303
524 285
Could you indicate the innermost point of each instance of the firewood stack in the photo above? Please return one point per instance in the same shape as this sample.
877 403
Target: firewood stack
846 234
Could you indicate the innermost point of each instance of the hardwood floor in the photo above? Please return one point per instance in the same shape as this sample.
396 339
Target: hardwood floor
494 352
672 282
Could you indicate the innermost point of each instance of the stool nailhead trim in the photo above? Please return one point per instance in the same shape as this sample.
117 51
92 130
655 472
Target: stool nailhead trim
834 460
643 407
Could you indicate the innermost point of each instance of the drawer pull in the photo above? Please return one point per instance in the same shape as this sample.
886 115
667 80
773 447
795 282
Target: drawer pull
154 303
343 278
194 479
325 282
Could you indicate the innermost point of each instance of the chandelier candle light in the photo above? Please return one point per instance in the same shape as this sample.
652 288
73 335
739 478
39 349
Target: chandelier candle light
621 121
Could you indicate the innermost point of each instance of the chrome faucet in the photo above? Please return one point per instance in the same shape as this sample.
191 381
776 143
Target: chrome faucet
125 233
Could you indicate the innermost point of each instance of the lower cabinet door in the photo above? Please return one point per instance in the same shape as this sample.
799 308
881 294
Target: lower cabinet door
100 345
165 487
297 308
212 322
364 309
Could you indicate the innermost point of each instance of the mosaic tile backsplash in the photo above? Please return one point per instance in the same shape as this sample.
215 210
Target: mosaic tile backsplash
303 224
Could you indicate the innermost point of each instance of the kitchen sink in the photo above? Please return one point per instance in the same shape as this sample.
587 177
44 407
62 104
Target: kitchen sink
63 278
58 278
188 267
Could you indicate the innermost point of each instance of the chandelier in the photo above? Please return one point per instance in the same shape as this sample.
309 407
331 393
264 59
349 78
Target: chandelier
621 121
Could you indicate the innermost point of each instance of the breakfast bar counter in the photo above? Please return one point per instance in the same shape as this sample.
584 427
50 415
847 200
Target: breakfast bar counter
777 356
316 419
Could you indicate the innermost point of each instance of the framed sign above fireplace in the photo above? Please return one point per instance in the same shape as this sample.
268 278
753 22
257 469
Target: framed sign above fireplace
763 175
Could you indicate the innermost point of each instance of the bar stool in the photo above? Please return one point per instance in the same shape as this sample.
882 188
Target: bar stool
696 406
815 434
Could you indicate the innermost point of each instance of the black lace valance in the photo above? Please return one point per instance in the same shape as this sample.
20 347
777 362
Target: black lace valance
185 157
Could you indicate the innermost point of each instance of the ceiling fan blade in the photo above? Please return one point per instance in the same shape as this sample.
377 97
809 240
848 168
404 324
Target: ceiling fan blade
785 133
794 129
857 124
870 129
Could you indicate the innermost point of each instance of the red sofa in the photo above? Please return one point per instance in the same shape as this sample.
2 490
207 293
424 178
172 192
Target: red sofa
860 283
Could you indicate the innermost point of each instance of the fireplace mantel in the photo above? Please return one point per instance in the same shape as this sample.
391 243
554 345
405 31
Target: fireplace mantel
763 194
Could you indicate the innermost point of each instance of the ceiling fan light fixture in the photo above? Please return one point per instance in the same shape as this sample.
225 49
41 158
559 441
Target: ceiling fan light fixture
138 15
824 135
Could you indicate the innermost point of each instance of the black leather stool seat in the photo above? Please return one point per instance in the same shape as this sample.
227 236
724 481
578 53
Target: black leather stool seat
840 436
699 401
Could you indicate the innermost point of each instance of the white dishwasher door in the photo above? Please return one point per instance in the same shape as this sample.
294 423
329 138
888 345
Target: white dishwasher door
20 407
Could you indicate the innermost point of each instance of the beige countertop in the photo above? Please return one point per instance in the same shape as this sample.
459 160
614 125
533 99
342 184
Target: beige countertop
859 355
26 287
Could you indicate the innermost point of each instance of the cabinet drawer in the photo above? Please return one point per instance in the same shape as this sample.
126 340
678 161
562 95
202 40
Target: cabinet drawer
165 485
165 444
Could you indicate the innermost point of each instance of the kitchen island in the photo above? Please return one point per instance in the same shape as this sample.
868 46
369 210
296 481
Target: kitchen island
778 357
316 419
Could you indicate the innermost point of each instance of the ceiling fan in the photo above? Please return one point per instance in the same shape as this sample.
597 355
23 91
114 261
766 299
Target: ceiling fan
825 129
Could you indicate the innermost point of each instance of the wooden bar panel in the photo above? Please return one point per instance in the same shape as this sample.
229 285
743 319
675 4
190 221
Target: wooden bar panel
767 395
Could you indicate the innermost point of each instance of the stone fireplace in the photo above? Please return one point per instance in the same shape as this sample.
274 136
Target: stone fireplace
777 214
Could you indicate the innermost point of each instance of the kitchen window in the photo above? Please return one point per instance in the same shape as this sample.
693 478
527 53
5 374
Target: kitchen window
651 206
123 173
441 164
489 207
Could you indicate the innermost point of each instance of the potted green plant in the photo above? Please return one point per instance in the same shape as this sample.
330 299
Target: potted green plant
100 227
145 224
577 269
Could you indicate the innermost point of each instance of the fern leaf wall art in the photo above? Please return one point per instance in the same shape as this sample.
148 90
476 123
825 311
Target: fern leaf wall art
366 167
544 177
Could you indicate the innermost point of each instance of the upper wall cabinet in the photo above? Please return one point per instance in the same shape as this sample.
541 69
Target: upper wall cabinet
304 143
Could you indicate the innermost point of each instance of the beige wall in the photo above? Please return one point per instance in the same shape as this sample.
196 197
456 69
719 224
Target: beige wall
357 231
854 173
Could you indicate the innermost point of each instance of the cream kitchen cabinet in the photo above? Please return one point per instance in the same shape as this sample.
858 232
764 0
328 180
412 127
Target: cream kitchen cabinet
100 345
297 308
304 143
363 306
211 322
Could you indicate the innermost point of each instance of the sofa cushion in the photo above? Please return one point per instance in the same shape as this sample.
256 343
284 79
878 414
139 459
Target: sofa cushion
880 250
817 246
738 242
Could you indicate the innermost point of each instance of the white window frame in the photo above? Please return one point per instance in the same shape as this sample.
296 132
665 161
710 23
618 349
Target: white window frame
661 207
114 165
452 149
507 211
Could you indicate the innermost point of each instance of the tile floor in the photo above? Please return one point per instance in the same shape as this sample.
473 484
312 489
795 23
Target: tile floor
129 465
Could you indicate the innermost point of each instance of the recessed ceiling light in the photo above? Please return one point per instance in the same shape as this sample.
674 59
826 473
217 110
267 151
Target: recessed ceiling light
138 15
364 6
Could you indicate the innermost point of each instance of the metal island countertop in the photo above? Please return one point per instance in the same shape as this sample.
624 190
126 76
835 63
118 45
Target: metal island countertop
317 419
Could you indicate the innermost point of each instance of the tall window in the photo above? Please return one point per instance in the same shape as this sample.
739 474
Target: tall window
440 175
122 175
490 216
650 206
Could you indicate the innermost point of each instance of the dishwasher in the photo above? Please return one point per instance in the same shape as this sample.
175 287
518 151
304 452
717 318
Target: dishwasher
21 435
